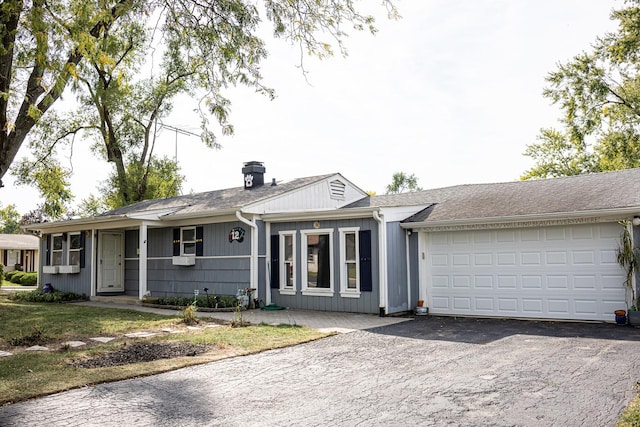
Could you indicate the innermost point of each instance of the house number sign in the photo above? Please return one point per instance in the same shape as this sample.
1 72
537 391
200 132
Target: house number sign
236 235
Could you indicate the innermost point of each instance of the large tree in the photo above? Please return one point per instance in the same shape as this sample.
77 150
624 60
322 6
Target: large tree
100 46
403 183
598 93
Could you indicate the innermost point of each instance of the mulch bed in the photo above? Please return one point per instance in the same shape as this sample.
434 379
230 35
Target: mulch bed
142 352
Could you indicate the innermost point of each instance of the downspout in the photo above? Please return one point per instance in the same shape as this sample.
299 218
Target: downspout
142 262
94 261
406 236
267 264
254 250
382 261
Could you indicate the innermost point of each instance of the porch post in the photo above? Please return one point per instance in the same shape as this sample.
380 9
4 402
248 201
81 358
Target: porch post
142 261
94 260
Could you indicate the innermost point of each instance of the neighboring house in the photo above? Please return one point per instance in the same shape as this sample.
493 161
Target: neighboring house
19 251
531 249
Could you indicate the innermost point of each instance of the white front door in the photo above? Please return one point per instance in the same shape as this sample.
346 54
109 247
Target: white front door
110 263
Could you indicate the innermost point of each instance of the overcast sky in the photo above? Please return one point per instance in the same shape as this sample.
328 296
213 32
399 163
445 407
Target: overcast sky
452 92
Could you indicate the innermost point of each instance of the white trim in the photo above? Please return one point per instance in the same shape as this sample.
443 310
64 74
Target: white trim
285 290
52 251
94 261
267 264
142 261
304 256
344 280
382 258
193 242
69 250
254 250
407 235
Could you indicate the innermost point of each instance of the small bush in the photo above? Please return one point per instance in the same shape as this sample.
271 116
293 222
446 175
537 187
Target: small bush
16 276
212 301
29 279
9 275
34 338
1 272
39 296
189 314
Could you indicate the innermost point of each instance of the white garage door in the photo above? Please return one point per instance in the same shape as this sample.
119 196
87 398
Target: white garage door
564 272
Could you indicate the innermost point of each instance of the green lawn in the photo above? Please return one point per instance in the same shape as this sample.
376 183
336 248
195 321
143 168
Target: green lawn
30 374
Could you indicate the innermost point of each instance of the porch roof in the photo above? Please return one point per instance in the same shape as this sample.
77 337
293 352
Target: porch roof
18 241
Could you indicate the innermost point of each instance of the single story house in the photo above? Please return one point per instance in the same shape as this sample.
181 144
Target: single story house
19 251
528 249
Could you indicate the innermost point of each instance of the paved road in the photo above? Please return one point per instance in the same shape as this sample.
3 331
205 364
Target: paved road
431 371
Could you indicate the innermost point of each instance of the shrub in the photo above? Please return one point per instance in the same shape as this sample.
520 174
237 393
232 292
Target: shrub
1 272
29 279
189 314
212 301
16 277
40 296
8 275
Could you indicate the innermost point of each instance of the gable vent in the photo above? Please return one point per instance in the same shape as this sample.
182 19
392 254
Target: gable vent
336 188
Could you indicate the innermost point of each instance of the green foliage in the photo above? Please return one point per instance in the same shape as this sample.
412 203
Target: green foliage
21 277
39 296
52 181
99 50
212 301
1 272
9 220
599 95
402 183
627 257
189 314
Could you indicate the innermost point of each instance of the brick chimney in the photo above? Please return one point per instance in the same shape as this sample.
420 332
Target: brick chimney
253 175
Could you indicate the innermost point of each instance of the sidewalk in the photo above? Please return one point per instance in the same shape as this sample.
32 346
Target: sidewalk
322 320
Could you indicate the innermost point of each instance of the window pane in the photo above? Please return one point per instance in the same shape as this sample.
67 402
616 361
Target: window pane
74 241
351 276
289 274
288 248
189 249
56 258
74 258
350 246
188 235
57 243
318 266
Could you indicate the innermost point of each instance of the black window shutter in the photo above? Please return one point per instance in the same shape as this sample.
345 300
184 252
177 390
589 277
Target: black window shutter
366 281
199 245
275 262
47 252
83 241
176 242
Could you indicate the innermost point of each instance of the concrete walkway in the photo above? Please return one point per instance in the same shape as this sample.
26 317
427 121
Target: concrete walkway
322 320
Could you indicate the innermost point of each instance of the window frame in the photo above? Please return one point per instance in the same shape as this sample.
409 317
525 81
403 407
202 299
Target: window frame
345 291
193 242
284 289
306 290
54 251
77 250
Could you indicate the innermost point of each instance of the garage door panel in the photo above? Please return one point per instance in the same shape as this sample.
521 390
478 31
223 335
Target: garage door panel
565 272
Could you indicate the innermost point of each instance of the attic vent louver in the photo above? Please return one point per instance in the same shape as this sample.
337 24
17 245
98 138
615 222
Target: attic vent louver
336 188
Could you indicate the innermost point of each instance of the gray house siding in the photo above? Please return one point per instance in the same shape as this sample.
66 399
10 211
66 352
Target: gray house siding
131 266
396 268
223 268
368 302
79 283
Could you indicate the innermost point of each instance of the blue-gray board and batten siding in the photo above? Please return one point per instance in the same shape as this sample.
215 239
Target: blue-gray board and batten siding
79 283
223 267
368 302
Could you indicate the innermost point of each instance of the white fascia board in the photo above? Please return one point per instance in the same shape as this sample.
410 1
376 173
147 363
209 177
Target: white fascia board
400 213
315 214
598 215
80 224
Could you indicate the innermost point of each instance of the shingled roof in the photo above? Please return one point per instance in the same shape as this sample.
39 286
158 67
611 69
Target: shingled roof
218 200
568 195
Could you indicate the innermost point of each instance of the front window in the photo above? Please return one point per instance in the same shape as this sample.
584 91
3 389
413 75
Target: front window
288 260
349 267
318 256
13 257
75 246
56 249
188 241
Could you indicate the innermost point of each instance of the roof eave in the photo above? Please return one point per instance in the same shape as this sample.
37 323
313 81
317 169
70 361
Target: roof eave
612 214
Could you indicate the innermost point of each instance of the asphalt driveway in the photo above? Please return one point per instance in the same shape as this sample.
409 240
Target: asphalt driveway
430 371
